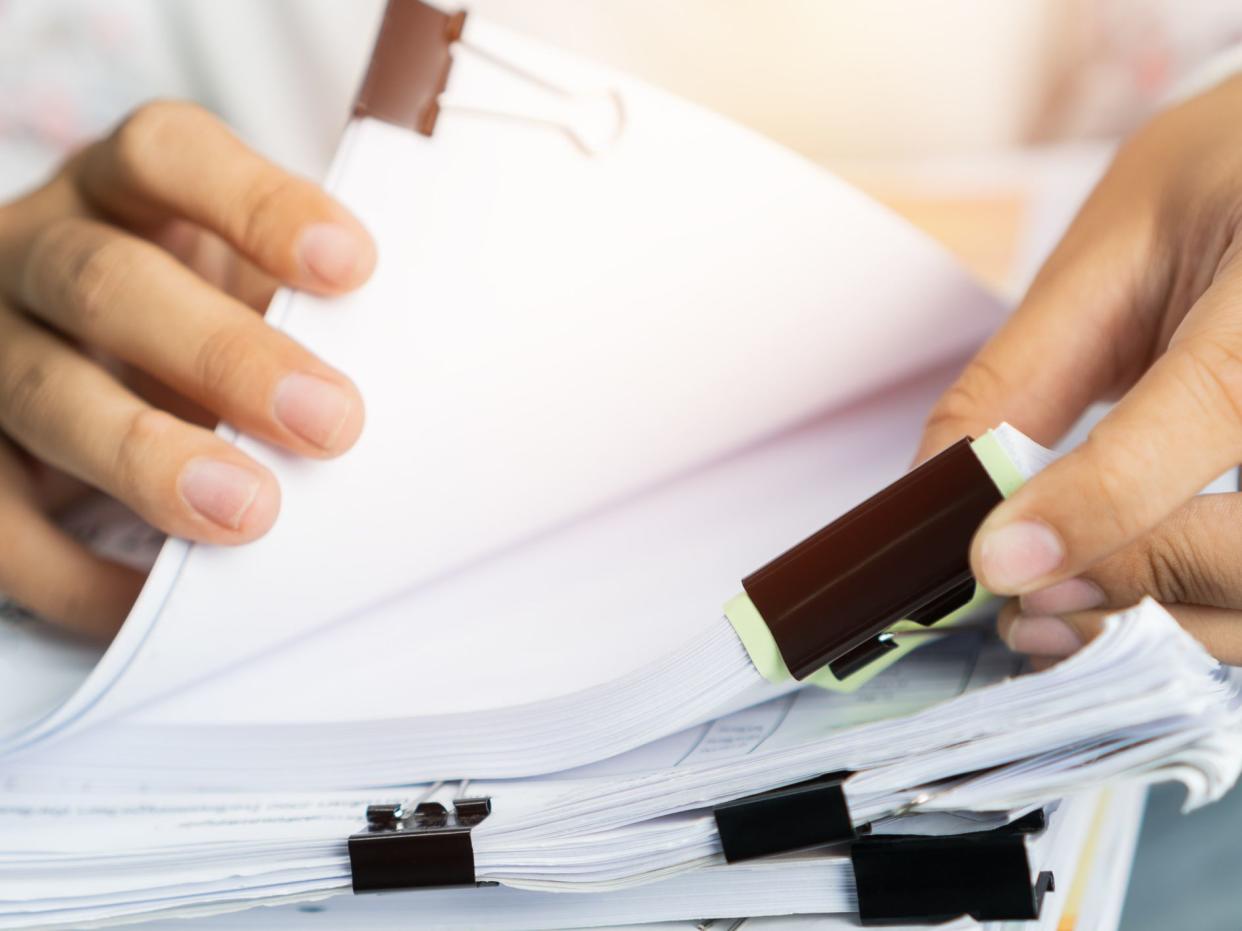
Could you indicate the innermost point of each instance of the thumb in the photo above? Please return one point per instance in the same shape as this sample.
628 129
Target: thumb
1176 430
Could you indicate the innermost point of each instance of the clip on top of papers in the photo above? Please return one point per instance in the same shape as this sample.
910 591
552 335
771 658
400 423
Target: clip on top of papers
407 83
901 555
429 846
410 66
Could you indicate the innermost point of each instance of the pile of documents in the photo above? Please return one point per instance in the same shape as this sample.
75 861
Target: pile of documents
946 743
1086 841
617 354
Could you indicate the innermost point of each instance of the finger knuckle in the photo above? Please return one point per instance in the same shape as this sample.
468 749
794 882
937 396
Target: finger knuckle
974 391
74 275
146 431
47 262
1165 572
97 275
149 130
263 209
26 393
1114 486
1179 566
1211 374
222 359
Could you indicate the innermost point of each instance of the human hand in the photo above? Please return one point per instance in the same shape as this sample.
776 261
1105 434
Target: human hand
125 330
1141 301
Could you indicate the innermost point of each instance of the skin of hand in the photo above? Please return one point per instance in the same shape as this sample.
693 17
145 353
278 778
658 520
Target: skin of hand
130 286
1141 302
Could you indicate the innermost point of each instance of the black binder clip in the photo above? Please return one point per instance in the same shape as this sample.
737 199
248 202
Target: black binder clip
901 555
429 846
903 879
807 814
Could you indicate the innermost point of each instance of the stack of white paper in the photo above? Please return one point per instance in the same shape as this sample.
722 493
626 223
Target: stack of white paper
1086 841
799 884
1144 702
1090 838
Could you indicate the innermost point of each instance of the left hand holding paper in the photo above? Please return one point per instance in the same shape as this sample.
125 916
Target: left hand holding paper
125 332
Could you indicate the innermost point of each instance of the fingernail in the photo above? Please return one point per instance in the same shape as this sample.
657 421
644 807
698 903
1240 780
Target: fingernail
331 253
312 407
1064 598
1016 555
220 491
1042 636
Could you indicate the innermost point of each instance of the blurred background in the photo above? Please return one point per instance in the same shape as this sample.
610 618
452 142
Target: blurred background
979 120
984 123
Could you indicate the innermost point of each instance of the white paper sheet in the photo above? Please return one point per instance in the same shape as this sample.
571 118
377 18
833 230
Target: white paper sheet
547 332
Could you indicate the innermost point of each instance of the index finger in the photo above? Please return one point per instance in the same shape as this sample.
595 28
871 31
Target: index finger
1179 428
1066 344
176 160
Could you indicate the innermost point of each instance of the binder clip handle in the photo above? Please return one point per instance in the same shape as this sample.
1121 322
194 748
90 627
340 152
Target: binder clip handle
902 554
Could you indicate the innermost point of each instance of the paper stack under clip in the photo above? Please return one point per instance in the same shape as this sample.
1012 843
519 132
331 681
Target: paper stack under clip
898 878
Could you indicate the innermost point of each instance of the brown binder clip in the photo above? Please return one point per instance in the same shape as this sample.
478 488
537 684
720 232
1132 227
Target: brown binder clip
410 65
901 555
407 83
